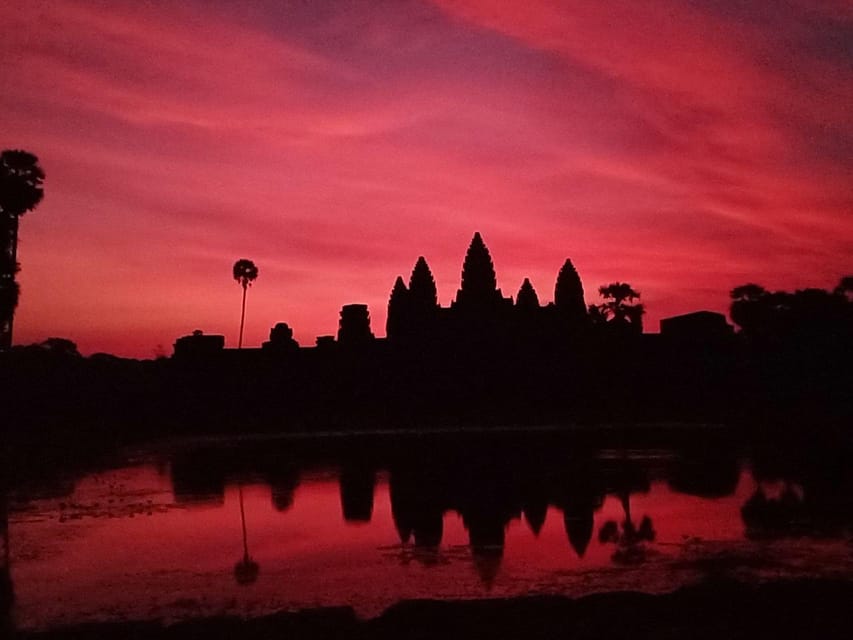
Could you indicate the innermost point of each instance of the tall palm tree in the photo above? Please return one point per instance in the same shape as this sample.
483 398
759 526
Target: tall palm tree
245 273
21 190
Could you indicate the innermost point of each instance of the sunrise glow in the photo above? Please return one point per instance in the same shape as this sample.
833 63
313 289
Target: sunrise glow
683 147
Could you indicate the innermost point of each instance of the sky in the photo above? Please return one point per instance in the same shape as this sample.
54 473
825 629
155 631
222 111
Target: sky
683 146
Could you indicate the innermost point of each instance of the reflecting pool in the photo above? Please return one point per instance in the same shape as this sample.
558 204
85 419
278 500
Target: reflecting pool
252 527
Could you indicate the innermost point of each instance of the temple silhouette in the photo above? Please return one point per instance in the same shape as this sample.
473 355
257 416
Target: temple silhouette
480 313
486 359
480 316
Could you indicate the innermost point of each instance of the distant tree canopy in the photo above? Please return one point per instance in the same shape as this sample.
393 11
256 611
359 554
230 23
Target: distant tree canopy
805 313
621 307
845 288
58 347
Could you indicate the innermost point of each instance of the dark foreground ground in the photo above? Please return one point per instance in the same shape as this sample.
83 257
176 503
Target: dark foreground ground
714 609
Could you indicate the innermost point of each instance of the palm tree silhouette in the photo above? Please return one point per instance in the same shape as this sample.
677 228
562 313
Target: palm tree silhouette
20 191
245 273
246 570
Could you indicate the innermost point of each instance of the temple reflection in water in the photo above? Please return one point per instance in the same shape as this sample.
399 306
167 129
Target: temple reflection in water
367 521
502 483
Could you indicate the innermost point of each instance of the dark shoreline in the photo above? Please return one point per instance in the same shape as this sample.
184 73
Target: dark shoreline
712 609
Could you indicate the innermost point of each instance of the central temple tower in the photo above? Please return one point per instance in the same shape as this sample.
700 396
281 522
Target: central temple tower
479 289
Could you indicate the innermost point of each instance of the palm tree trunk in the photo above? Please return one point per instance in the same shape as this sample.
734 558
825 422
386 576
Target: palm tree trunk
625 499
9 229
243 522
242 319
13 239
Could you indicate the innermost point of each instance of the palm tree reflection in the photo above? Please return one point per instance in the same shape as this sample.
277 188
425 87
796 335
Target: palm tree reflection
246 570
629 541
7 593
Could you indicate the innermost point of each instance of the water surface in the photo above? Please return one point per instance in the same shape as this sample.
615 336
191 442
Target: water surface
160 535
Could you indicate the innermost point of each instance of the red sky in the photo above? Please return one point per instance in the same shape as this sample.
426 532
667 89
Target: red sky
685 147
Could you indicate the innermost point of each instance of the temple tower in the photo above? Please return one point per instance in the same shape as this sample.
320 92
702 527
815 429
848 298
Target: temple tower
422 291
479 285
568 295
354 326
398 305
527 300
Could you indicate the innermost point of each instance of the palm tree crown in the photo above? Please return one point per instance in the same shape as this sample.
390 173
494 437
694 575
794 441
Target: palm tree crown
21 190
21 180
245 272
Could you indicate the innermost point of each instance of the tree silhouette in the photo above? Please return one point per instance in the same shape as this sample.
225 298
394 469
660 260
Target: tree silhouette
749 308
786 317
845 288
61 347
245 272
621 306
21 190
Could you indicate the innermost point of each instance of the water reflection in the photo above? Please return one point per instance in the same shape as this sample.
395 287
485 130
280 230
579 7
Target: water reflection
283 481
246 570
807 495
342 527
418 503
357 485
628 538
6 591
